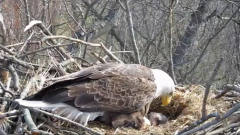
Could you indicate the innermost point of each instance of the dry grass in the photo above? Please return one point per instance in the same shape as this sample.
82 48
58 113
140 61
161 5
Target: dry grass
183 110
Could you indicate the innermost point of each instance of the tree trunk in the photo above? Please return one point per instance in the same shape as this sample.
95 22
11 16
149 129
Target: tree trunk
187 38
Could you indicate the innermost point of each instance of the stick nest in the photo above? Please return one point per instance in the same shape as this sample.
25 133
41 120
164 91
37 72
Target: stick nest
184 109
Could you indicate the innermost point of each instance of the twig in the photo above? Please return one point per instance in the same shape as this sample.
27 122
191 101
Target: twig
60 51
67 62
233 87
208 85
6 50
65 119
71 39
218 131
43 49
228 88
15 77
213 122
25 43
122 52
32 126
83 60
5 90
13 59
69 132
9 114
121 5
130 25
222 93
98 58
28 119
110 54
19 128
171 65
198 122
211 128
58 66
21 43
27 11
75 21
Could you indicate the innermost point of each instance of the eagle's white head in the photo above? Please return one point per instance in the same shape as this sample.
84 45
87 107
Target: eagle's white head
165 86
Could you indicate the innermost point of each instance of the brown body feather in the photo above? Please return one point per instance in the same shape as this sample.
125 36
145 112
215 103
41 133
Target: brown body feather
124 88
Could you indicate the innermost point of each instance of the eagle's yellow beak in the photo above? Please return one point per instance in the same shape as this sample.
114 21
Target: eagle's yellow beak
166 100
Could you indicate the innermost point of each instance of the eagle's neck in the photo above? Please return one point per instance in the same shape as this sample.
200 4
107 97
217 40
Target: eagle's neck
163 81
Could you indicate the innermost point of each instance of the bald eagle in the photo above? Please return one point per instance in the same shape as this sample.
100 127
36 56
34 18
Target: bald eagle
111 91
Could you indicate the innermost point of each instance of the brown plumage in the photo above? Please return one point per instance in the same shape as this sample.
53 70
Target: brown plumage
109 88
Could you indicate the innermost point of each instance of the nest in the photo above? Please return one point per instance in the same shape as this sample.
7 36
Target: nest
3 122
184 109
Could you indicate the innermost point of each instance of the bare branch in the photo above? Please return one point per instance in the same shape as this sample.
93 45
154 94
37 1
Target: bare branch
130 25
27 11
10 114
213 122
43 49
65 119
21 43
6 50
233 87
110 54
5 90
198 122
71 39
48 33
171 6
25 43
15 77
228 88
12 59
32 24
29 121
208 85
221 130
98 57
32 126
58 66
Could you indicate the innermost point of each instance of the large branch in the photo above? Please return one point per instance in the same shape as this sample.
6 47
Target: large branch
207 44
187 38
213 122
208 85
227 88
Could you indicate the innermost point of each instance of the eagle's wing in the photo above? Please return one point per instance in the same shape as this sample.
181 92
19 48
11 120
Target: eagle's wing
105 87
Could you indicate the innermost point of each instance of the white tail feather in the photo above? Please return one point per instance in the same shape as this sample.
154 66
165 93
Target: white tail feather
37 104
62 109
